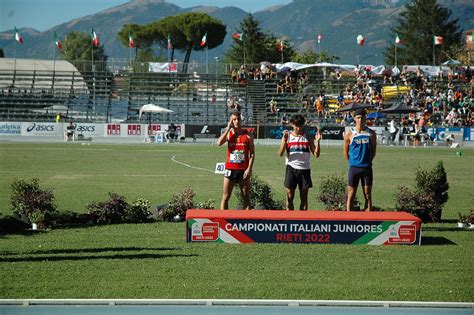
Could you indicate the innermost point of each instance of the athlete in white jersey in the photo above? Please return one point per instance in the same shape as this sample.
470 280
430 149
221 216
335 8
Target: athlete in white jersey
298 147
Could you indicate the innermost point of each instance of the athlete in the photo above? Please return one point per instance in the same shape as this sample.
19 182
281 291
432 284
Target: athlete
298 146
240 159
360 146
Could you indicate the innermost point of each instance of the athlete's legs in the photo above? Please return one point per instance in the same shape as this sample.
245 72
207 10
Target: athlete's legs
245 190
351 192
304 199
290 196
368 197
227 192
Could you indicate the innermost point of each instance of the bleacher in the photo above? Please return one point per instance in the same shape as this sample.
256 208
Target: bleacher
41 89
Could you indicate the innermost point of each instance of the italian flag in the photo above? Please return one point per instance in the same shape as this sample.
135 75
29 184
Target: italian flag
437 40
131 42
169 41
95 38
280 45
360 40
319 38
397 40
57 42
238 36
18 38
469 38
203 40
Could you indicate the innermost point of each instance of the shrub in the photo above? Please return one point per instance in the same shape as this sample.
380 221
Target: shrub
28 199
261 195
138 211
421 205
180 203
428 196
110 211
333 192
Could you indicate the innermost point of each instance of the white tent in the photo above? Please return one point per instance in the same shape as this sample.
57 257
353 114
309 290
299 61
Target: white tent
152 108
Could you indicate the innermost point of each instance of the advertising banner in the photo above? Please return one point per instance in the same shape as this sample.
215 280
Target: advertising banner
41 129
10 128
163 67
87 129
316 227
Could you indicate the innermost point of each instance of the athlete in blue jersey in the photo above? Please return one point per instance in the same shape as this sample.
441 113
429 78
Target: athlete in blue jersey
360 145
298 146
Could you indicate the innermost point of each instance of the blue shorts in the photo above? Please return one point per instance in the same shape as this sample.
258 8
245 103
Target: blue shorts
362 174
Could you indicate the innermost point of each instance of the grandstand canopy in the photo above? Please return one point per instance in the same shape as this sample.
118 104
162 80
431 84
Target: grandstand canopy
39 74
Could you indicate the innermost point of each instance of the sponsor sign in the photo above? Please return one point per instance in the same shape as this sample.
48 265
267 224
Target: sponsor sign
163 67
320 227
87 129
134 130
113 129
10 129
41 129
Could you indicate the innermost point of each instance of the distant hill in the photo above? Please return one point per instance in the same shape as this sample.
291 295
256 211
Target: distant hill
339 21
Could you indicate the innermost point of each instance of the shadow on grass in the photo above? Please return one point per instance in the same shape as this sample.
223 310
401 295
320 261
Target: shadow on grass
436 240
89 257
444 229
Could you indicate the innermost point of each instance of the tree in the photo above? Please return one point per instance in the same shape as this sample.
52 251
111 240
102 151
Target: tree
77 49
186 31
257 45
310 56
417 26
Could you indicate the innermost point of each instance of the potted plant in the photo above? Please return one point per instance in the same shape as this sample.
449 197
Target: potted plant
463 220
36 218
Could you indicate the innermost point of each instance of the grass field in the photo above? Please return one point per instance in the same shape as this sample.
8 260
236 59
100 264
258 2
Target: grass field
154 261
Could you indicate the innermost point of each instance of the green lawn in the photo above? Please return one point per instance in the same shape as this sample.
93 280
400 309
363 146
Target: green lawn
154 261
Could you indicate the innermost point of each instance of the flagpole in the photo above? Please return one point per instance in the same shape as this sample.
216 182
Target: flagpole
207 61
395 55
433 52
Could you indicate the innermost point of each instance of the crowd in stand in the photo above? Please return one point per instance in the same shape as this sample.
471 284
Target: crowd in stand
442 101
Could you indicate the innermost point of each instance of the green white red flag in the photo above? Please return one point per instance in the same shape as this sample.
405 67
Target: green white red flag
437 40
280 45
131 41
238 36
169 41
17 35
203 40
397 40
95 38
57 42
360 40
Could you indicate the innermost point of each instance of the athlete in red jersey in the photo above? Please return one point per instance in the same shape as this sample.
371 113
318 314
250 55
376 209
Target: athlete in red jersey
240 158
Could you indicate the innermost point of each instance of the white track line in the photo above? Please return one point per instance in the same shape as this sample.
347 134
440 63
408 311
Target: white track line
187 165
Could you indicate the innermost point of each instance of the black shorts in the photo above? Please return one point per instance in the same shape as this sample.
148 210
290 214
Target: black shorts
236 176
362 174
300 178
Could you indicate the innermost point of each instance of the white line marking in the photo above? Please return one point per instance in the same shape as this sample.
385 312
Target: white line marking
187 165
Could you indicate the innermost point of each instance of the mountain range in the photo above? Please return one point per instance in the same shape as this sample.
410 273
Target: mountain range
339 22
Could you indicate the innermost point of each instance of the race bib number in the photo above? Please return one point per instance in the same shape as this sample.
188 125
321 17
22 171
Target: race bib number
227 173
220 168
237 157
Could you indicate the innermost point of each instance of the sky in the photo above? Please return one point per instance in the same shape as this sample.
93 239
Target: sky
45 14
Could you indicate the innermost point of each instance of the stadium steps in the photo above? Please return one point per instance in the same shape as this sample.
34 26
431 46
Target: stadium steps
256 96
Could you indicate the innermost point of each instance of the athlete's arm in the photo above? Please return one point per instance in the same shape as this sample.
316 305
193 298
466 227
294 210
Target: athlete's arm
223 138
315 147
283 142
347 142
373 140
248 171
